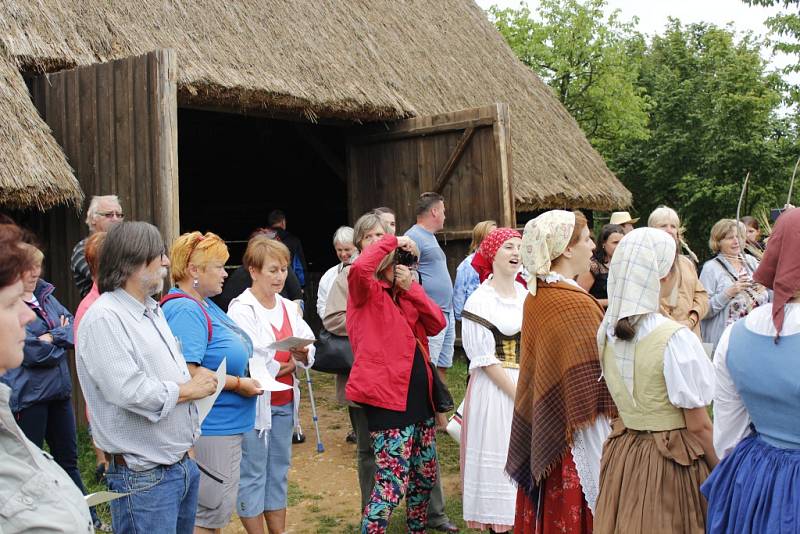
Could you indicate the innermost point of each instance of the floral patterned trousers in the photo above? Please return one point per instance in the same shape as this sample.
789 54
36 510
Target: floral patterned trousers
406 465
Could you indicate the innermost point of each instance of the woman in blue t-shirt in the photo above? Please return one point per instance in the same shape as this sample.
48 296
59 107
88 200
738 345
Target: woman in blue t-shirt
207 336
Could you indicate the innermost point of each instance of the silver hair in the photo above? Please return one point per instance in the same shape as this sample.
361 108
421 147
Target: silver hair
661 214
665 213
91 211
343 235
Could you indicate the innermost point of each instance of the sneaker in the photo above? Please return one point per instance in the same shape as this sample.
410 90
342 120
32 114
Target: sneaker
298 437
351 437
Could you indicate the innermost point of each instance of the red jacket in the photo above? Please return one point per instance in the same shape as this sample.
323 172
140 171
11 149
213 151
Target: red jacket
383 336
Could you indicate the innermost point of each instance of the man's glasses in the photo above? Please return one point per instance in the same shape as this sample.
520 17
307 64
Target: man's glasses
111 214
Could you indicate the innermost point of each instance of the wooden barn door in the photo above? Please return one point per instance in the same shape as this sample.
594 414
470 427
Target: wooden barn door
117 124
464 155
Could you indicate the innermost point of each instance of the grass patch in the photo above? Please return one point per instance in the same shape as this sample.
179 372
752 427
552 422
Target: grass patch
87 463
294 494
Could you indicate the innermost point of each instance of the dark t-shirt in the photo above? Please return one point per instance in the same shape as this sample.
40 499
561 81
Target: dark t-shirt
599 289
418 402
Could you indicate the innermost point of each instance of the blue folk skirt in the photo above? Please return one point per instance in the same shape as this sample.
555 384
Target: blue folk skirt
755 489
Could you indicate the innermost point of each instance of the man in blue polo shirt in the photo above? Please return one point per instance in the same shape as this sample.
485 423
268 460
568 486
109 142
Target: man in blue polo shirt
433 274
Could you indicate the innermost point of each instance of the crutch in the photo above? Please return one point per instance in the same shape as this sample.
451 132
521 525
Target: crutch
320 447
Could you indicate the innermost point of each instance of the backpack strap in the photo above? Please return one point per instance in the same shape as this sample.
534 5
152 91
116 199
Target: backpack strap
172 296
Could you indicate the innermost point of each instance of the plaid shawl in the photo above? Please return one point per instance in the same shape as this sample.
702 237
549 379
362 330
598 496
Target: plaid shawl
559 389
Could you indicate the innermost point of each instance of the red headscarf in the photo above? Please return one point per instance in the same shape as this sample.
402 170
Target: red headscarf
484 257
779 269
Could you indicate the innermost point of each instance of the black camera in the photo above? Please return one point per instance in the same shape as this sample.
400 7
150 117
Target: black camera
404 257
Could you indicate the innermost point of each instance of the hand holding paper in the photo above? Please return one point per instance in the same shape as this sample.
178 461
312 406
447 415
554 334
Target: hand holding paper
289 343
259 372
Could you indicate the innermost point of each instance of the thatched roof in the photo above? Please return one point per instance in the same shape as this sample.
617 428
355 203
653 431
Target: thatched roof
363 60
33 169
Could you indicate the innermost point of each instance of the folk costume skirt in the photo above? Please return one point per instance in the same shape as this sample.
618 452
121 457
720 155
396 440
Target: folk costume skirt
650 483
489 496
563 507
755 489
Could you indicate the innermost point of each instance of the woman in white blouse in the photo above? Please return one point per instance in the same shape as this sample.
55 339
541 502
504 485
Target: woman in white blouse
266 451
491 323
660 449
757 406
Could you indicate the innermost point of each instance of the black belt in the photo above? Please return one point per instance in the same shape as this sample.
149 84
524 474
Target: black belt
119 459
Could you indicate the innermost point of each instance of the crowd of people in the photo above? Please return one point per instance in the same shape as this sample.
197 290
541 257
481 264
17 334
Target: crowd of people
592 366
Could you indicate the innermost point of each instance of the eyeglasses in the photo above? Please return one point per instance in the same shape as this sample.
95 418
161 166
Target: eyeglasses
111 214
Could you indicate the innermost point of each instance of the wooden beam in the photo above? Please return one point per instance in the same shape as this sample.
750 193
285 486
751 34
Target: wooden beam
421 131
323 151
452 161
270 113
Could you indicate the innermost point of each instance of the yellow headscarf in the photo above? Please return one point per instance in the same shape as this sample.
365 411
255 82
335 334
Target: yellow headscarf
545 238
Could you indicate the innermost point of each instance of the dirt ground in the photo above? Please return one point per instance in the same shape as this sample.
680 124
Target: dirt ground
323 487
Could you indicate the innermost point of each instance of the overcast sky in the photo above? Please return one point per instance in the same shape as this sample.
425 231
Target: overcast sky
653 14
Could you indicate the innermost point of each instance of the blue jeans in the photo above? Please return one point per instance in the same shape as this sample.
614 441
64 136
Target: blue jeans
162 499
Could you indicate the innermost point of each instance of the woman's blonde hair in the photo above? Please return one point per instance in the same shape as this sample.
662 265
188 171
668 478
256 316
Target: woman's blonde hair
35 256
479 233
197 249
722 228
260 248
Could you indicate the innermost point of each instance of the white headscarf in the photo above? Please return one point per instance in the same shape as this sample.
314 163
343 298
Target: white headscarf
544 239
642 258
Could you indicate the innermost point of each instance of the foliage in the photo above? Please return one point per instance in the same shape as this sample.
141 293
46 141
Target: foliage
785 37
586 59
713 120
680 118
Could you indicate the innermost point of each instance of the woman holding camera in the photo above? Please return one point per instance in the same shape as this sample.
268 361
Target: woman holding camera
389 318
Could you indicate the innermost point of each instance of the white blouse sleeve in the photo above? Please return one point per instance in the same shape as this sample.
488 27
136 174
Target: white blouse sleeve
478 344
688 371
731 420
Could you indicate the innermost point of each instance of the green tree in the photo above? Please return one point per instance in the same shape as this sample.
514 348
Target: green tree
785 37
588 60
713 119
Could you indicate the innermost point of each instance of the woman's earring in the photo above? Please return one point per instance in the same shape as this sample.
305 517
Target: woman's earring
195 283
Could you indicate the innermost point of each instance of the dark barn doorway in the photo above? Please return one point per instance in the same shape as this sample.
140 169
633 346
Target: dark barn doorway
234 169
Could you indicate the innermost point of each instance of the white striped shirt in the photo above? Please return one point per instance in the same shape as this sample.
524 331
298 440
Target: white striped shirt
129 366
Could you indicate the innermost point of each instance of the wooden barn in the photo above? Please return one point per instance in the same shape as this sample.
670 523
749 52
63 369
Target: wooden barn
206 115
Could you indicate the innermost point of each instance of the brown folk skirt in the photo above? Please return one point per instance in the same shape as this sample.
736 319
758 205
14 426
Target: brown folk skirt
650 483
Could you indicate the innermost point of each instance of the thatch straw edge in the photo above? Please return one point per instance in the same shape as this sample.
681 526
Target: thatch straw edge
34 171
360 60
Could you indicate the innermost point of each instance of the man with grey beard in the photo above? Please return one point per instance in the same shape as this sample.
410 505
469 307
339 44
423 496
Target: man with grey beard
138 389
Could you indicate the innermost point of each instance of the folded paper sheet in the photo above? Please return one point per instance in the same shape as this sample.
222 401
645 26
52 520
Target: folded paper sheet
93 499
290 343
259 372
204 405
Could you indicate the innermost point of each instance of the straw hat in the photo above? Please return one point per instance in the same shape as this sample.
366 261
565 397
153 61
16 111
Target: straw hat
622 217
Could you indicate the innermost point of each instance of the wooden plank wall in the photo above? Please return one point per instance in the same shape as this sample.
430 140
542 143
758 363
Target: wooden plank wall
117 124
394 165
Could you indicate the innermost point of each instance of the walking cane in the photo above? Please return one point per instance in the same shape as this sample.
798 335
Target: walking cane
320 447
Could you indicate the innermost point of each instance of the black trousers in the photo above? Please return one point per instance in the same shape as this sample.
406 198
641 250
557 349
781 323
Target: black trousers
54 422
